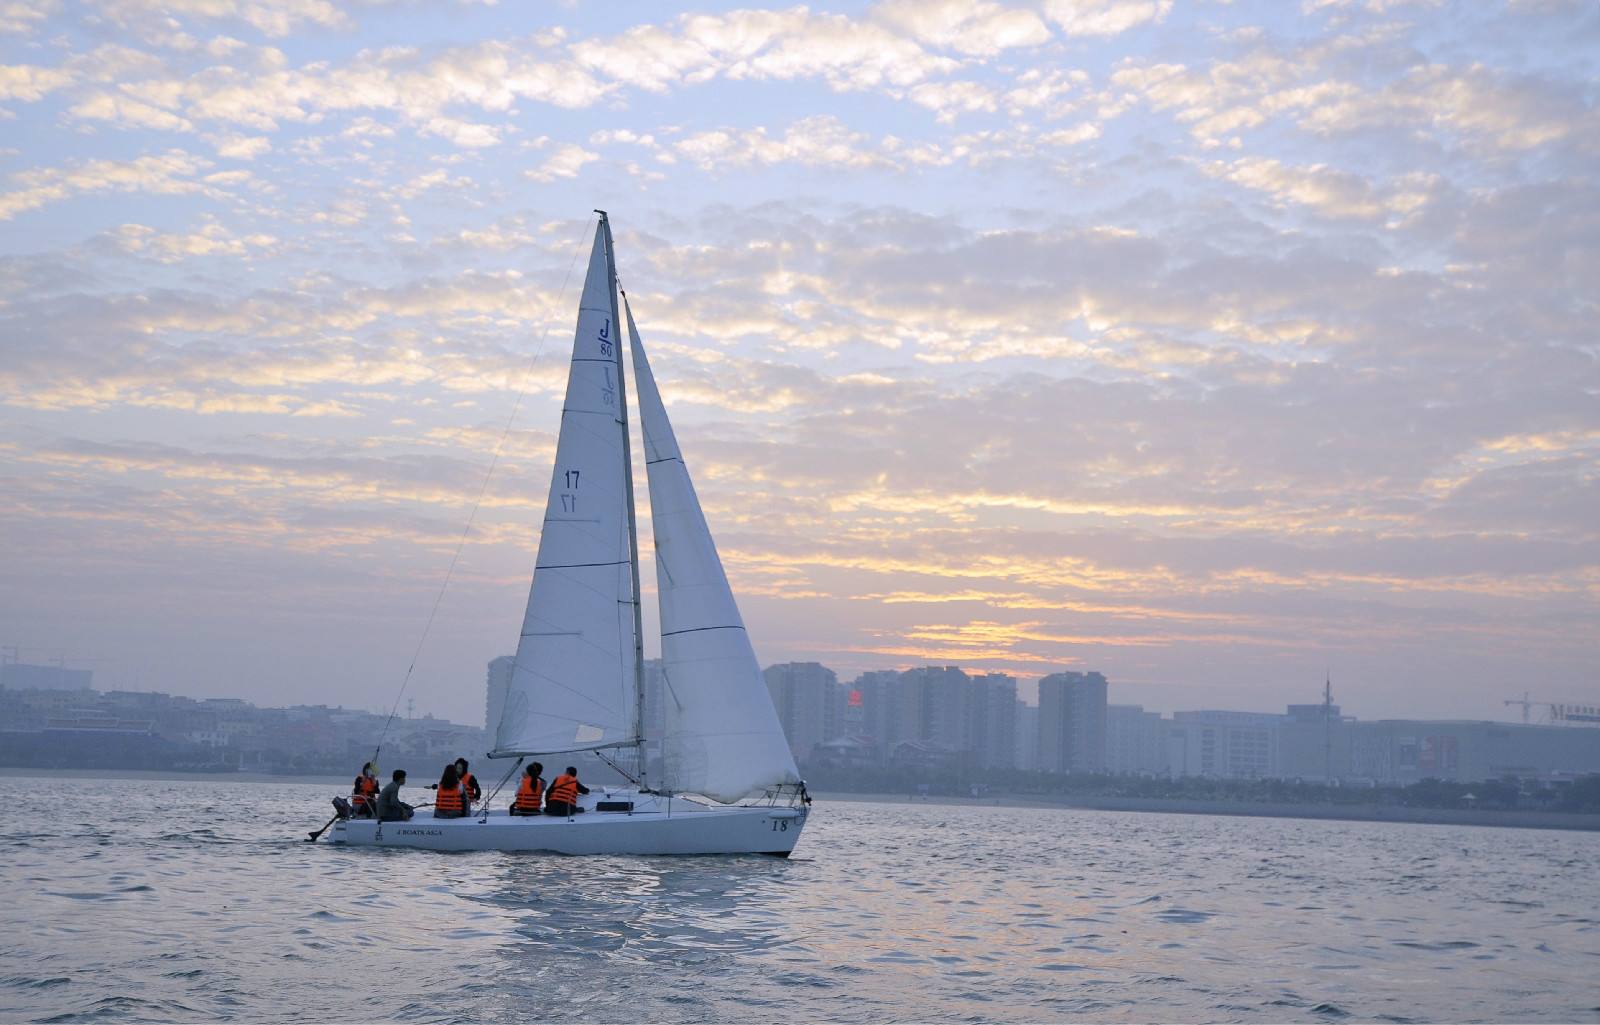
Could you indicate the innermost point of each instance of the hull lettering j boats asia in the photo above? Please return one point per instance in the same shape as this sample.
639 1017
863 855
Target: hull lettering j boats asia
728 784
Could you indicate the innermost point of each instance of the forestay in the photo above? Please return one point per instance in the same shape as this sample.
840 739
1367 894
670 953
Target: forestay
573 687
722 736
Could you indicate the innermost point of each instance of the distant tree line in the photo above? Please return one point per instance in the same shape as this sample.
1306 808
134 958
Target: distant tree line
105 751
1580 796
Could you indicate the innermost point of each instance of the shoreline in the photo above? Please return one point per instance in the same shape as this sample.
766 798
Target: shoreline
1493 817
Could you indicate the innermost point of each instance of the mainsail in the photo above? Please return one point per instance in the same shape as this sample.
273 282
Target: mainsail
721 737
574 685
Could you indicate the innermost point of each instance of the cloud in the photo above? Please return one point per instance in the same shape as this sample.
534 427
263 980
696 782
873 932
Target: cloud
761 45
1105 17
490 76
30 83
463 133
211 240
1368 6
24 16
896 50
270 17
174 172
1316 84
129 112
1482 106
819 141
240 147
1328 190
1074 136
950 99
1101 336
1046 91
980 29
565 162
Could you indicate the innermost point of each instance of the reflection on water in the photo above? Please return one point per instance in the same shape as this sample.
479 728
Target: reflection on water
198 901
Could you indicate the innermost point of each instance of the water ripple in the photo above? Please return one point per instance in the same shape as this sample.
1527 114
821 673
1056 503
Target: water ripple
140 904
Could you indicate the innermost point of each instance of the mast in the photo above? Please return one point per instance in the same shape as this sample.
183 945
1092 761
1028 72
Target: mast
633 526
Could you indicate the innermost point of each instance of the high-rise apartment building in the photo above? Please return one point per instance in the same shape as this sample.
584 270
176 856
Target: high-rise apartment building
852 713
935 700
992 720
880 708
802 693
655 716
1072 722
499 685
1027 734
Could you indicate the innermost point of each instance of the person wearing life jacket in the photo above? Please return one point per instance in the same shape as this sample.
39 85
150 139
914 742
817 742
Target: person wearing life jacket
451 800
562 797
530 791
469 781
364 793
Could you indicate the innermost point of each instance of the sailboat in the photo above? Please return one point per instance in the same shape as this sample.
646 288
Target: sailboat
729 784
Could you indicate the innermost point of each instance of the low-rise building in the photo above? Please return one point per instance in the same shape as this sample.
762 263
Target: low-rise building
1224 744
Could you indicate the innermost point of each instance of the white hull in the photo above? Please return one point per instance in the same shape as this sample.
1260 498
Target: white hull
656 826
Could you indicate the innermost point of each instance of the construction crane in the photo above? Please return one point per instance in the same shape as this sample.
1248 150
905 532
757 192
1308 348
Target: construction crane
59 657
1527 706
1557 712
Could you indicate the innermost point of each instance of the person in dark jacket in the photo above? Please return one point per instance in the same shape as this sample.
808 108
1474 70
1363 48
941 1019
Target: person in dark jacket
390 807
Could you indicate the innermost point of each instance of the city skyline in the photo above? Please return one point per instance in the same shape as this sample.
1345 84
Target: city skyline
933 720
1215 346
1025 691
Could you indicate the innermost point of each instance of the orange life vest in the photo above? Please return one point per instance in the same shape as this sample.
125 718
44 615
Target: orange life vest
469 784
450 800
529 791
564 790
364 790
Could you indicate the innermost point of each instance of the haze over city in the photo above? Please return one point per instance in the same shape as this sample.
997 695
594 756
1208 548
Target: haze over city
1211 346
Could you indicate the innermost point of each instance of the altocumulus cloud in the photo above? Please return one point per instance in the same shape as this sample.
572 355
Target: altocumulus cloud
1202 345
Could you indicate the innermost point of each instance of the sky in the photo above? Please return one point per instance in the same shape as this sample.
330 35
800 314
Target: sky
1217 346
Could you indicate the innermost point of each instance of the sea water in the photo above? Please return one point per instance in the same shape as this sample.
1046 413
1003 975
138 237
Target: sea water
131 900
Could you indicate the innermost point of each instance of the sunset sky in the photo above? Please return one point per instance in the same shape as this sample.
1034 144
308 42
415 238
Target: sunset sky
1213 345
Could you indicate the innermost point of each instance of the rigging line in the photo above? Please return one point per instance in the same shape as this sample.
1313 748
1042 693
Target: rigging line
500 786
618 769
527 376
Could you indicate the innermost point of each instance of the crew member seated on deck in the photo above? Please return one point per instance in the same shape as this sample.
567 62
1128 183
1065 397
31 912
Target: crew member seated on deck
562 798
390 807
469 781
530 791
451 802
364 792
